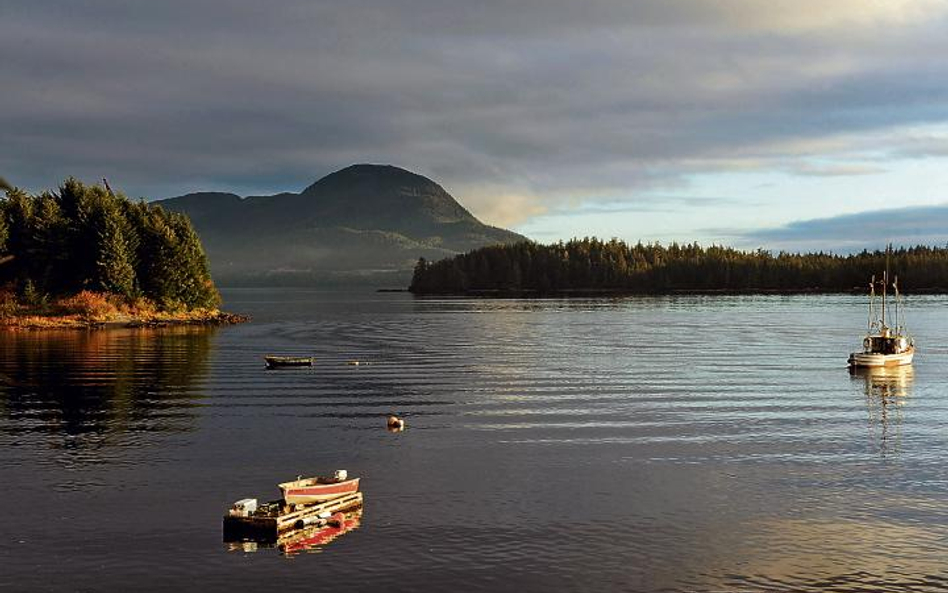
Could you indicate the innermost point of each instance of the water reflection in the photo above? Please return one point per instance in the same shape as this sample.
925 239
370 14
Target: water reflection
886 390
82 391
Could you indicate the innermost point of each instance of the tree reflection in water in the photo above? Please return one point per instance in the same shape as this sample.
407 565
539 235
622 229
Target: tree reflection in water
82 391
887 390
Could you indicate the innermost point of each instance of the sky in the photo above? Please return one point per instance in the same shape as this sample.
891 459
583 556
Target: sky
784 125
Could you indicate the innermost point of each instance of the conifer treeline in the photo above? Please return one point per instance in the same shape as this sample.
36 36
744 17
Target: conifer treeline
87 238
592 264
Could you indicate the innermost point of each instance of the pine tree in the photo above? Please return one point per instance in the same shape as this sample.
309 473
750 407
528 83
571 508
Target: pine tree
195 288
113 258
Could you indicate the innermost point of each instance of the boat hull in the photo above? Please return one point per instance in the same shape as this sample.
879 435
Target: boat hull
875 360
303 493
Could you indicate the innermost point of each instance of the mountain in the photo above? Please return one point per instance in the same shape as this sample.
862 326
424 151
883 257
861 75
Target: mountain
366 223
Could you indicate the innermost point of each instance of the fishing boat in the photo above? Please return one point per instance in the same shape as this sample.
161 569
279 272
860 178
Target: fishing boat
311 490
288 361
884 346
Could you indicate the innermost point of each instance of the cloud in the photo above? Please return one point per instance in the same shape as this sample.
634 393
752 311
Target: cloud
525 106
834 170
500 207
920 225
807 15
651 203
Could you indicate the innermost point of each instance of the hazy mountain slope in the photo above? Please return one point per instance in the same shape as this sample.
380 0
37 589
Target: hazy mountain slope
361 222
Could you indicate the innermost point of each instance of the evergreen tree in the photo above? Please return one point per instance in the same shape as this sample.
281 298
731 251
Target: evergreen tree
113 264
194 287
591 264
86 237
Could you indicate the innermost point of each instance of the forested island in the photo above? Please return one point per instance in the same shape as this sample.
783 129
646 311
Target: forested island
594 266
84 256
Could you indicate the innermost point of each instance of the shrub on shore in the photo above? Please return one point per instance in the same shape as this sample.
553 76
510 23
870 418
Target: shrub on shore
93 306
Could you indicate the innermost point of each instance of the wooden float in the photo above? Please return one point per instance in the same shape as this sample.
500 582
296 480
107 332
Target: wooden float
273 519
306 539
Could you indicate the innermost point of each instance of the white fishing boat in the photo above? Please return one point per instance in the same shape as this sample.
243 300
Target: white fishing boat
884 346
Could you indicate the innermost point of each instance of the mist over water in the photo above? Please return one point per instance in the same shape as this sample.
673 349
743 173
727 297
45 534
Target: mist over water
647 443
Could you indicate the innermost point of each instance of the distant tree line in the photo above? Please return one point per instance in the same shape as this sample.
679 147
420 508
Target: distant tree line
85 237
591 264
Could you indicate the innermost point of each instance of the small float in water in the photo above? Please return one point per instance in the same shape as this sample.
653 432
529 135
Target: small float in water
276 362
884 346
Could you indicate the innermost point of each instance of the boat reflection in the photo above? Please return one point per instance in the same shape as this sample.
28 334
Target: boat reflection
306 540
886 390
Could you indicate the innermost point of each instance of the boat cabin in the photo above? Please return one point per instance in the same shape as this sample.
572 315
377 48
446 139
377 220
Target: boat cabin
885 345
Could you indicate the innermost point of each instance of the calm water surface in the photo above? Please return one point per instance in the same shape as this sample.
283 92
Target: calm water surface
641 444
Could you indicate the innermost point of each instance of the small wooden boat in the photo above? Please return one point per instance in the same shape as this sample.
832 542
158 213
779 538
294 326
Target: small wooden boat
884 346
274 362
319 489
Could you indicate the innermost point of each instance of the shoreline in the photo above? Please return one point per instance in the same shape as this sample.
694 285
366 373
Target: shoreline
119 321
610 292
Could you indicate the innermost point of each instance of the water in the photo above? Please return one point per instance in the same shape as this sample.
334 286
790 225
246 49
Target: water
676 443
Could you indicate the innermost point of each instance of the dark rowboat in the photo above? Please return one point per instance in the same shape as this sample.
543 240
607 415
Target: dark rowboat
288 361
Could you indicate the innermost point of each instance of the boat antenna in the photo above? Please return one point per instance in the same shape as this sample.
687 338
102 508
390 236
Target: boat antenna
885 283
899 322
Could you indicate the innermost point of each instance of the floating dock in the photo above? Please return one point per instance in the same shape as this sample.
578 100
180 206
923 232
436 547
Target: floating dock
274 519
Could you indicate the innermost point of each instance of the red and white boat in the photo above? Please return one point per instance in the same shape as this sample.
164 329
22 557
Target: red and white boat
319 489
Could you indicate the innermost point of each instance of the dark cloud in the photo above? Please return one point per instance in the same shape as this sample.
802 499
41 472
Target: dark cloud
534 95
922 225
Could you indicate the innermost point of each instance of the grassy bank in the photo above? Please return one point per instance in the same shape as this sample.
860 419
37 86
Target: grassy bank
89 309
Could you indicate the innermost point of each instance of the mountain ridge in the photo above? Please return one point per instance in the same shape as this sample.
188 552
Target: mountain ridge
362 222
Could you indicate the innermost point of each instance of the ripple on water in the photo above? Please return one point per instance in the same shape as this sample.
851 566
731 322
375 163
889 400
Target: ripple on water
621 444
